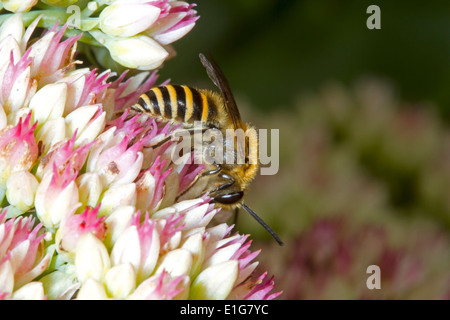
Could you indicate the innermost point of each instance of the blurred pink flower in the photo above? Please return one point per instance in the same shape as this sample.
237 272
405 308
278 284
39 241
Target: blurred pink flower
331 258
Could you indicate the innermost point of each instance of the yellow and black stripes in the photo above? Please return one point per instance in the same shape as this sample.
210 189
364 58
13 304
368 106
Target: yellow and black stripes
179 103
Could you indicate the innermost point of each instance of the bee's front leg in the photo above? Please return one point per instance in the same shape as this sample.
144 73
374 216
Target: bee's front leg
214 171
230 182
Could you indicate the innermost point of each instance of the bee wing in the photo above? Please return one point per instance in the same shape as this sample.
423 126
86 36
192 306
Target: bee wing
217 77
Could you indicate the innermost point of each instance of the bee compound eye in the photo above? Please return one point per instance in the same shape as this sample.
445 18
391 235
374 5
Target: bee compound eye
229 198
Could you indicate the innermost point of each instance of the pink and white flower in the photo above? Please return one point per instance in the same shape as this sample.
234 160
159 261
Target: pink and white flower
150 187
74 227
106 200
57 196
18 149
175 22
22 257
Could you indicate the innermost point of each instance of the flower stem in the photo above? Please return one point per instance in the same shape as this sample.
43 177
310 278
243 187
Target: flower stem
49 18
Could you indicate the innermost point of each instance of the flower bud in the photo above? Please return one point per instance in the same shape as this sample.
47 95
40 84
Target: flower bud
48 103
87 122
21 189
52 132
89 188
56 197
18 5
215 282
126 20
13 26
116 222
118 195
9 50
120 280
91 258
21 251
176 23
139 245
6 277
18 149
161 287
177 262
92 289
61 284
21 91
116 163
50 56
61 155
30 291
197 212
196 247
137 52
79 91
74 227
150 187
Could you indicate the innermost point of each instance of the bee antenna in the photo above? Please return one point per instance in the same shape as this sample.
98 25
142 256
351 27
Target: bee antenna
261 222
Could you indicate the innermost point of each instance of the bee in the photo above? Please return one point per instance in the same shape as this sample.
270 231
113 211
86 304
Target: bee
229 180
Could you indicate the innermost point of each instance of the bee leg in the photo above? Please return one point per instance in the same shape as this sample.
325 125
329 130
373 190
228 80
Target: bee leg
230 182
172 136
230 179
188 188
204 174
160 143
214 171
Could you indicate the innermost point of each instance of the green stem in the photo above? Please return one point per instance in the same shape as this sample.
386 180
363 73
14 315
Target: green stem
85 38
50 17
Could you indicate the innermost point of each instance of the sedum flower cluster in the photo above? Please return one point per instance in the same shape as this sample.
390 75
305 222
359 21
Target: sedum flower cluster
135 34
331 259
90 210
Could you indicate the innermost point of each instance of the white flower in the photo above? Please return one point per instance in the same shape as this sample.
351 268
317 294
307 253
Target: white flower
56 197
215 282
48 103
91 258
128 19
21 189
137 52
18 5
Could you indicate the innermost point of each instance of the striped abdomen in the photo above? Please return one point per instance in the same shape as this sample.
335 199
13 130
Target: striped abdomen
179 103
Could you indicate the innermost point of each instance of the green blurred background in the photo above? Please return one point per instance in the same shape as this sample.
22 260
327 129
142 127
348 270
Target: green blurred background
364 138
273 49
